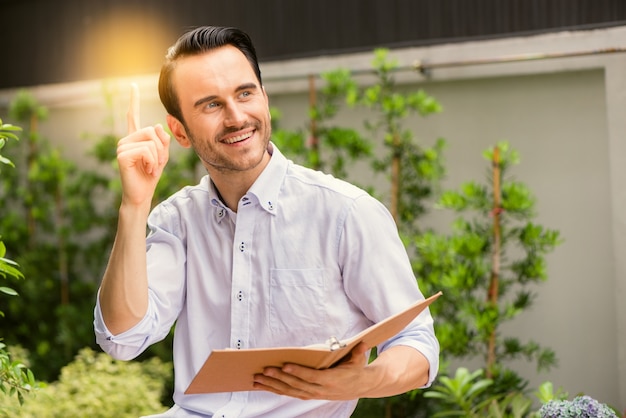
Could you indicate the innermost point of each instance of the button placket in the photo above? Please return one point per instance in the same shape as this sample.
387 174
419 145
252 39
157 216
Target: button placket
241 279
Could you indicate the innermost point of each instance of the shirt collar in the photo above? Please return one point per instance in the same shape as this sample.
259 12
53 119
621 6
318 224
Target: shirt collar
214 197
265 189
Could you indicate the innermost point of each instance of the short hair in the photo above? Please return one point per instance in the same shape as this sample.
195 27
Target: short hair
198 41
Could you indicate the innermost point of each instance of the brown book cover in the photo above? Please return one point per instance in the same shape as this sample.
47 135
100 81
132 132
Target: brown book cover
232 370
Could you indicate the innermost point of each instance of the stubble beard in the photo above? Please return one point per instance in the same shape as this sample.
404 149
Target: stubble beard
224 163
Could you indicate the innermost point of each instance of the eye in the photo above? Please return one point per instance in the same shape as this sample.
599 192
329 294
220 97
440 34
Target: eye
245 94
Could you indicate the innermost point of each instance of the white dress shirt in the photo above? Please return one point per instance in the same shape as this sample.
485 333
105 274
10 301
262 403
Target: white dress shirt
305 257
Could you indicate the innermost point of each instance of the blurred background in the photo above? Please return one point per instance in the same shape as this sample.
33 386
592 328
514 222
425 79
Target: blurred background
548 77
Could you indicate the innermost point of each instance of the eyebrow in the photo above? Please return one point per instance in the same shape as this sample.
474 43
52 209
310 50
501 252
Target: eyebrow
245 86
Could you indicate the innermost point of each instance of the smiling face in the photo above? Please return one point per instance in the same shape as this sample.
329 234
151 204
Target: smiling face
225 111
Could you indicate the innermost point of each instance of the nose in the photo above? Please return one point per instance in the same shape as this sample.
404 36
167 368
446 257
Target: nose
235 116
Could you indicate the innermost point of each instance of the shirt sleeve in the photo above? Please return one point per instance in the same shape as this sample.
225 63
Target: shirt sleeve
166 277
379 278
128 344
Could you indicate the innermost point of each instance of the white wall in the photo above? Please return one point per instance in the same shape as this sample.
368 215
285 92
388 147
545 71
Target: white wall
566 118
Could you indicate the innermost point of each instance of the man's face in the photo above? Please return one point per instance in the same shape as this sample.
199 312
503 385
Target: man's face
226 111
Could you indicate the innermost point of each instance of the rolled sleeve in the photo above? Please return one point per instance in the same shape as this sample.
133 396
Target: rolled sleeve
126 345
419 335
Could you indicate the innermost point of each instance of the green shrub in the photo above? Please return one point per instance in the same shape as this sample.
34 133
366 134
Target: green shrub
97 386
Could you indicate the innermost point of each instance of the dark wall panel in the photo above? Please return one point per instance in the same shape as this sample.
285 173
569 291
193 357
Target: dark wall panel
46 41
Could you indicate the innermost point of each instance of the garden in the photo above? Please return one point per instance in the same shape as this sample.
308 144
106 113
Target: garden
57 222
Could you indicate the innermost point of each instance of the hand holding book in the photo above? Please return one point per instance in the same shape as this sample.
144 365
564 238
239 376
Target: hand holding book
230 370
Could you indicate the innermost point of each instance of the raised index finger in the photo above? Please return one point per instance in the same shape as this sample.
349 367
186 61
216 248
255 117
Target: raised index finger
133 109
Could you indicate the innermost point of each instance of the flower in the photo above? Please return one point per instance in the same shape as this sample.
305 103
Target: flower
580 407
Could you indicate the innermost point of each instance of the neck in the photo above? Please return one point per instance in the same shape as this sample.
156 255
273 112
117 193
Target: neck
230 191
233 185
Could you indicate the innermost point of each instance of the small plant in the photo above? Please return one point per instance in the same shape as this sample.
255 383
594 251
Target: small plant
465 395
546 393
579 407
15 378
469 395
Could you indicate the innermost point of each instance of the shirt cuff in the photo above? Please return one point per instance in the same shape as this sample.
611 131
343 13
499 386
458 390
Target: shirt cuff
126 345
432 356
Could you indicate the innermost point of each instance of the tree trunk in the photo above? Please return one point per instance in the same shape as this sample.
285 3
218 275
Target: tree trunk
492 296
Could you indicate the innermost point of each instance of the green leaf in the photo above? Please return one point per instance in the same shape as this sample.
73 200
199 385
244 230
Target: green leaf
8 291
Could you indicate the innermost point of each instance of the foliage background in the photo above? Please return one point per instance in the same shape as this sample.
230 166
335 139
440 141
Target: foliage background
179 173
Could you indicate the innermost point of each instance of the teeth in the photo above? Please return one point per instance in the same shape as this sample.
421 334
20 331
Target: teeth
234 139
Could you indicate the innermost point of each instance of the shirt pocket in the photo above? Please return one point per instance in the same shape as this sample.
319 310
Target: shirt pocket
297 306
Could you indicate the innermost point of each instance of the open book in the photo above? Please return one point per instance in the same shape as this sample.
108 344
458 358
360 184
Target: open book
232 370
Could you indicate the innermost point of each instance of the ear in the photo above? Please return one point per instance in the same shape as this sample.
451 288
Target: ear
178 130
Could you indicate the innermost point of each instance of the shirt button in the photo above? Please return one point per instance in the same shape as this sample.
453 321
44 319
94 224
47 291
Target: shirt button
242 247
270 205
240 296
239 344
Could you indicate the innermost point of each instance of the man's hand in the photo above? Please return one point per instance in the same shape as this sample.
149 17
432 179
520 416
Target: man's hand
345 381
141 156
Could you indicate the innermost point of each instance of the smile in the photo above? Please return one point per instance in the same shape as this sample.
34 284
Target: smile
238 138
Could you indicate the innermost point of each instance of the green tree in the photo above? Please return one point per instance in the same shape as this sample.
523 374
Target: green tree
414 169
485 270
57 233
324 145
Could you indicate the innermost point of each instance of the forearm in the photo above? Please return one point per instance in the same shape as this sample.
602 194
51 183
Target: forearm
124 288
395 371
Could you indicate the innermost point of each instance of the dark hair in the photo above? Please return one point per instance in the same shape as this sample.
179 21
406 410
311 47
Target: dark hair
198 41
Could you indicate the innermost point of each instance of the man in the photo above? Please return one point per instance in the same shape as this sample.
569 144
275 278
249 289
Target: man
260 253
